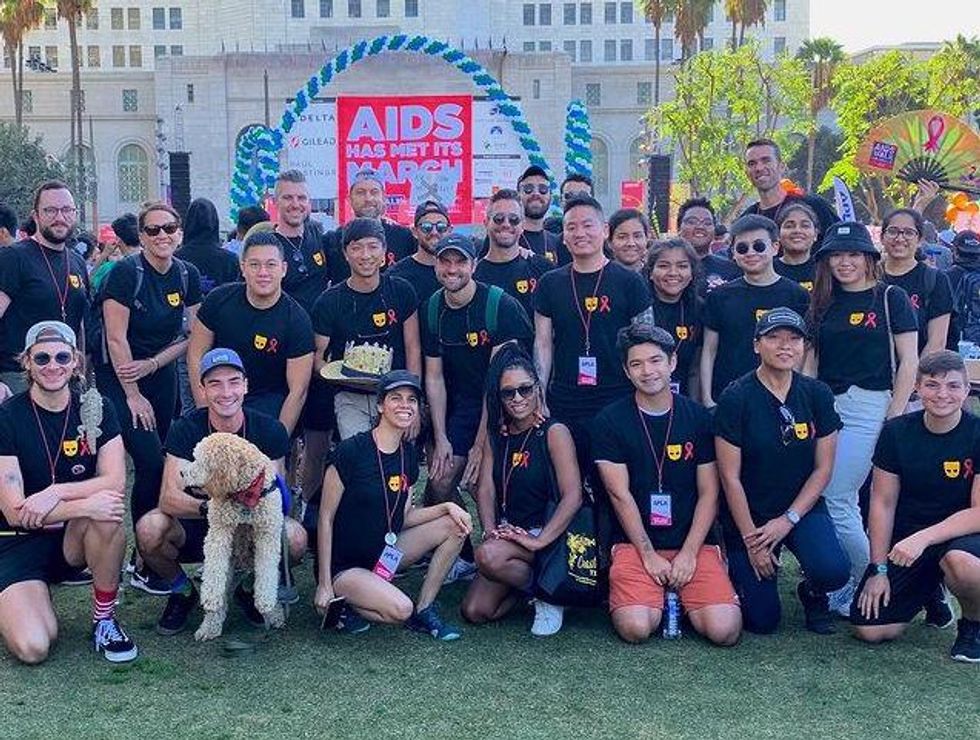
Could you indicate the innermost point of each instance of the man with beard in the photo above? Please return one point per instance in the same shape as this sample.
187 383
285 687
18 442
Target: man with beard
696 219
419 269
40 279
534 188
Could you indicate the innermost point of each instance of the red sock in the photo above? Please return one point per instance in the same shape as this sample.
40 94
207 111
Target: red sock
103 604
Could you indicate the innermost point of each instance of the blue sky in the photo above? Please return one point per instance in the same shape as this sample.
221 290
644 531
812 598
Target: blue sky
858 24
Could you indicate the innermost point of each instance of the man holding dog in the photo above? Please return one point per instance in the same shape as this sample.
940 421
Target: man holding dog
174 532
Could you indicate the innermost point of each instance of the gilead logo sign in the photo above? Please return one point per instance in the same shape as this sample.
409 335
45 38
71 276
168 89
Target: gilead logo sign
421 146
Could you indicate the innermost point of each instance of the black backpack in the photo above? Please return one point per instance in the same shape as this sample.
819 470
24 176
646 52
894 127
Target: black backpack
966 304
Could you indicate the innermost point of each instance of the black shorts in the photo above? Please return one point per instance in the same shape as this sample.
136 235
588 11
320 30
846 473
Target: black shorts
38 556
462 425
192 550
912 587
318 409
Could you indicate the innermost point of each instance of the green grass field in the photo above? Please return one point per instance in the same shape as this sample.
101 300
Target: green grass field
496 682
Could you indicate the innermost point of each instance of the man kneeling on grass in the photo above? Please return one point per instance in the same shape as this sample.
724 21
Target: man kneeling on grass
656 455
369 530
925 512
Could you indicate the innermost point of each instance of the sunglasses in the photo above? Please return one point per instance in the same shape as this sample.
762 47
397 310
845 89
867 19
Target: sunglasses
787 429
43 358
513 219
758 246
542 188
428 227
170 228
509 394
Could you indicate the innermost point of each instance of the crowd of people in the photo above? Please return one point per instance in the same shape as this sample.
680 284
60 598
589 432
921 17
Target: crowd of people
713 397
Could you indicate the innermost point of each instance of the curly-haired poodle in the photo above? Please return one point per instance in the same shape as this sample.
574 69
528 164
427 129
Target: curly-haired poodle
245 523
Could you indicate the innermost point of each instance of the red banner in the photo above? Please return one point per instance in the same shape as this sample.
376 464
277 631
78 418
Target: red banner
632 194
421 146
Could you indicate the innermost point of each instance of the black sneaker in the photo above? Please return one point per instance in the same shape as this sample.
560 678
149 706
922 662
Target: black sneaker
109 639
80 576
352 623
176 612
816 613
429 622
246 602
146 580
966 649
939 612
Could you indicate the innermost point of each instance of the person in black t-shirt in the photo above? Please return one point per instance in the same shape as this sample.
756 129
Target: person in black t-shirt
696 225
670 271
62 483
528 466
534 188
144 317
369 529
797 224
173 532
928 289
504 265
41 279
575 183
731 311
775 436
269 330
309 262
866 352
656 455
925 512
419 269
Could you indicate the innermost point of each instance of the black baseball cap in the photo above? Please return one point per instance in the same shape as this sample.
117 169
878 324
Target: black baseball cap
430 206
847 236
967 242
780 318
532 171
457 243
398 379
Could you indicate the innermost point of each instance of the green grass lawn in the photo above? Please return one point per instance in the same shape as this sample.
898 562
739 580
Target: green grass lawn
497 681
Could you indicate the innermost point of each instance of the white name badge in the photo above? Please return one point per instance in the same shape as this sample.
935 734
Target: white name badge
660 511
588 371
387 565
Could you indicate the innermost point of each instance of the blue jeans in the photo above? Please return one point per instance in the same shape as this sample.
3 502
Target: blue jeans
813 542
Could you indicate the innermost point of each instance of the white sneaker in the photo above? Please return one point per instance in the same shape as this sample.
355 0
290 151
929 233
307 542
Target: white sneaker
547 618
839 601
462 570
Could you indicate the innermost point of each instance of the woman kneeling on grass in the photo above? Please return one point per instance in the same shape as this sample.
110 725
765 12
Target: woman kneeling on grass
528 461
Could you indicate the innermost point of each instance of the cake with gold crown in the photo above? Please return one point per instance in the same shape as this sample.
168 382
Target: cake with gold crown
361 366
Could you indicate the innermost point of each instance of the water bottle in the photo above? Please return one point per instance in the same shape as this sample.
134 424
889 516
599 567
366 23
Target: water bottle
672 615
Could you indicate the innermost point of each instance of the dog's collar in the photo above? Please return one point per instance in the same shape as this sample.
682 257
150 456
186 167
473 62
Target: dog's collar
249 497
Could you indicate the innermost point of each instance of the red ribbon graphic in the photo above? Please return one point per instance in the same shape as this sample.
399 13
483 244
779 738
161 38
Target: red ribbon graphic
968 468
914 300
390 259
871 322
532 284
273 345
688 450
392 316
604 304
484 337
83 448
935 127
525 459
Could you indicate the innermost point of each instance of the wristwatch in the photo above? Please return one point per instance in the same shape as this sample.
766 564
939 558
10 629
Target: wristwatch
881 569
793 517
203 508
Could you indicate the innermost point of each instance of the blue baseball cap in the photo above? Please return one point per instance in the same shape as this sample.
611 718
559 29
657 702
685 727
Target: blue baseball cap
220 357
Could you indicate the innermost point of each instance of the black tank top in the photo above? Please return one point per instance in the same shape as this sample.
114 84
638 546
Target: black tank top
524 462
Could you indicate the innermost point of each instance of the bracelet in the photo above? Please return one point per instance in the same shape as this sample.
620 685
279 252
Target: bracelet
156 363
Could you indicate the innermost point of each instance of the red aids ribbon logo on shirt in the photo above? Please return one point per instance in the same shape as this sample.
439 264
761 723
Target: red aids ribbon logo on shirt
914 300
380 319
688 450
273 346
83 448
390 259
484 337
604 305
935 129
968 468
871 320
392 316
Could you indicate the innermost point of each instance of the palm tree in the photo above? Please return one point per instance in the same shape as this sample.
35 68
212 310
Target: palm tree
656 11
742 14
71 11
822 55
691 18
17 19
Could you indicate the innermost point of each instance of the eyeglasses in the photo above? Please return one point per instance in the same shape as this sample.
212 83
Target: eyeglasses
168 229
498 218
758 246
787 429
530 187
51 211
894 232
428 227
43 358
509 394
705 222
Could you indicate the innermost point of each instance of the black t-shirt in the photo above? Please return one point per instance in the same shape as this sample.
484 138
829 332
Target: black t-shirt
518 276
21 437
714 271
156 314
261 430
216 265
35 280
264 339
619 437
548 245
346 315
399 244
462 339
683 320
803 273
853 341
421 277
733 310
615 296
825 214
935 470
778 446
309 269
926 304
361 520
524 461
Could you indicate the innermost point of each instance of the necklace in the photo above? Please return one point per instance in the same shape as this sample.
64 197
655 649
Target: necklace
62 297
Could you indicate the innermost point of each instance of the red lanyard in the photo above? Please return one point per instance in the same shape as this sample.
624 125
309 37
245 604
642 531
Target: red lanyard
52 459
586 319
389 510
507 468
62 297
663 453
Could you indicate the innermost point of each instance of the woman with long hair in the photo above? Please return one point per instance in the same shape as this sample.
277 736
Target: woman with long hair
864 348
798 228
528 465
629 235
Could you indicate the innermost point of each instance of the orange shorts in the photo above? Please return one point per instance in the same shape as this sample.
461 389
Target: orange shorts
631 585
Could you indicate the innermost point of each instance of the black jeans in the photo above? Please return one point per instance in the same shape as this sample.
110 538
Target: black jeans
144 447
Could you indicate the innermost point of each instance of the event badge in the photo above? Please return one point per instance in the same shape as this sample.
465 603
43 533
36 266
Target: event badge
388 563
660 513
588 371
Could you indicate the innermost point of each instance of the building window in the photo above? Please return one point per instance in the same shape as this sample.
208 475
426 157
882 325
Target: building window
159 19
644 93
176 50
626 12
536 89
176 19
626 50
568 14
593 93
569 47
383 8
585 14
585 51
529 47
190 93
353 8
649 50
326 8
609 51
50 19
92 20
667 50
707 43
411 8
118 56
133 173
297 8
544 14
94 56
544 46
51 56
610 12
135 56
34 52
779 45
528 14
160 50
779 10
27 101
116 19
600 166
131 101
133 18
